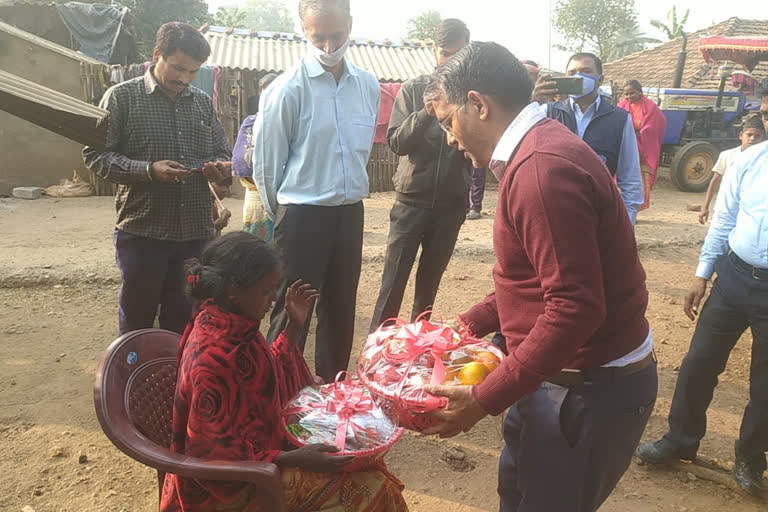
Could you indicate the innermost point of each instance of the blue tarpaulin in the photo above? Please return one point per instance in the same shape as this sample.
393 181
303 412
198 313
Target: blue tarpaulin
94 26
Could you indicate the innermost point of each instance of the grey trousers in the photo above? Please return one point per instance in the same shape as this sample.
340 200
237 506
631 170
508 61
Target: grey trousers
567 448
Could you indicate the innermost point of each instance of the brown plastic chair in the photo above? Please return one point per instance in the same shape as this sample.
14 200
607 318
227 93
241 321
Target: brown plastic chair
133 395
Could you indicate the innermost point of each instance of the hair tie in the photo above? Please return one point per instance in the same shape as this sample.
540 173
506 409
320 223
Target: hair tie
193 280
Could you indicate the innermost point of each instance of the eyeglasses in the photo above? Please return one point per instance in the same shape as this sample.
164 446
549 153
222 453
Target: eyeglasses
446 123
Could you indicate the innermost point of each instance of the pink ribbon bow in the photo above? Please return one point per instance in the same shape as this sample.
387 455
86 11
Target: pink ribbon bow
344 400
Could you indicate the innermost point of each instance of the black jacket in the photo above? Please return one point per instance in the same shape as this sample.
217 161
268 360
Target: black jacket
430 173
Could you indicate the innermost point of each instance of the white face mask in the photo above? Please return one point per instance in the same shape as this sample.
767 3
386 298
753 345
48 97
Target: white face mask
589 84
329 60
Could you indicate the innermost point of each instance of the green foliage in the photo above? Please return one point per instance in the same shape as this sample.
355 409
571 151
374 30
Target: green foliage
592 25
148 15
269 15
672 28
627 40
422 27
230 17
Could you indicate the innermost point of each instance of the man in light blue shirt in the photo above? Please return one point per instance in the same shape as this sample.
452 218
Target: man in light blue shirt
608 130
312 140
736 248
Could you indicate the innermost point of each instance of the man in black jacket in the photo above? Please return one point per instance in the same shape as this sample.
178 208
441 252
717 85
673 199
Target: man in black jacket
432 185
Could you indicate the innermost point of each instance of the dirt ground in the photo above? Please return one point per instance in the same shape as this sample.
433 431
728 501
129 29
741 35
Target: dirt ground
58 311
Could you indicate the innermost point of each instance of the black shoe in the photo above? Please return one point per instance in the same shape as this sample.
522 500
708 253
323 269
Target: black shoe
661 451
748 473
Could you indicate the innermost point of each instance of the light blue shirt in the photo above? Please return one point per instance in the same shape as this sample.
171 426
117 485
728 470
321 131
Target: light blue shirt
312 137
628 176
740 220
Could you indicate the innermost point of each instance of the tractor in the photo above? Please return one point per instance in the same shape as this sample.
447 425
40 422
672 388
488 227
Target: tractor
702 123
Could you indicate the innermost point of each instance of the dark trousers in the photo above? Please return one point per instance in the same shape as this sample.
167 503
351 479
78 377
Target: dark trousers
567 448
323 246
737 301
478 189
153 275
436 231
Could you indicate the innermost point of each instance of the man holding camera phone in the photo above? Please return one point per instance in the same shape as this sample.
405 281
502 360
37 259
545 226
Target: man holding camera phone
605 128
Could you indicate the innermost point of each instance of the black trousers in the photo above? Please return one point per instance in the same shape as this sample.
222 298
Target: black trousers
436 231
323 246
737 301
565 449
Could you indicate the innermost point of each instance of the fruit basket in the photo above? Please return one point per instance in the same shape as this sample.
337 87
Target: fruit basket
399 359
345 415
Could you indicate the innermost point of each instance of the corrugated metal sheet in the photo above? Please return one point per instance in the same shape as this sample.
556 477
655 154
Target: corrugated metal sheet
44 43
52 110
270 52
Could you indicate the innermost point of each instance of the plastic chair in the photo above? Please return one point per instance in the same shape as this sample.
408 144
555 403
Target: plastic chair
133 395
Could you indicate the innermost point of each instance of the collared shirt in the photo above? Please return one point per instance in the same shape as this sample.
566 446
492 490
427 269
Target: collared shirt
740 220
147 126
313 137
628 176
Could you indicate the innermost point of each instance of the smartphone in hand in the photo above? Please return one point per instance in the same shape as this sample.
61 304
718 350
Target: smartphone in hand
568 84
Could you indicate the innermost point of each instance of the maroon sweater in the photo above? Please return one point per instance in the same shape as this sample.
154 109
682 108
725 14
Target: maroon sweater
570 289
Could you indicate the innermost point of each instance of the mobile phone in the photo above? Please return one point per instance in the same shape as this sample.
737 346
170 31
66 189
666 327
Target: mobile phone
568 84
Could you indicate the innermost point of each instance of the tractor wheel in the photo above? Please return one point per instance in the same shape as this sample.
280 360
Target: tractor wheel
692 165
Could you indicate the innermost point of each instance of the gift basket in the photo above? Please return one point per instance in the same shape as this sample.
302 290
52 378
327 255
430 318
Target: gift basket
345 415
399 359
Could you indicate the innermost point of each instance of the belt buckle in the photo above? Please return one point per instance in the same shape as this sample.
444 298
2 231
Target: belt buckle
755 276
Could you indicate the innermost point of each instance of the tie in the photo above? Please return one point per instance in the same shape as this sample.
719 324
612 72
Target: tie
498 167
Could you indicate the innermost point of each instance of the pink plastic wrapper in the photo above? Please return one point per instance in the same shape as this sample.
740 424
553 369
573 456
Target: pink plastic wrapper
399 359
345 415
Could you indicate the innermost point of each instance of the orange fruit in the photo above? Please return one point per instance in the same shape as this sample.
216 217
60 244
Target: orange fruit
473 373
451 373
489 359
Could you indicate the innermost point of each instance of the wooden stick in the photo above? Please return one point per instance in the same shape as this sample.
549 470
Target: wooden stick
218 201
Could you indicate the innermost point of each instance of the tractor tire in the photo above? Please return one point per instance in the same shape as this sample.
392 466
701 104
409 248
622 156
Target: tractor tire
691 169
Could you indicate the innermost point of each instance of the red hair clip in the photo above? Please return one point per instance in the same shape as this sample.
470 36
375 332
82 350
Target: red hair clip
194 280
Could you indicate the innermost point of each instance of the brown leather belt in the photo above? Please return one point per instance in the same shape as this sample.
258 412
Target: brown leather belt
569 378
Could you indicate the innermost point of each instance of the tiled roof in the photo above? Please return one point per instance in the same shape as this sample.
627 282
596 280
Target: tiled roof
389 61
655 67
55 111
39 41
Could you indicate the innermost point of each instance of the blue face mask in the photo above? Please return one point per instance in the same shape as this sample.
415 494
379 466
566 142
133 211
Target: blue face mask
589 84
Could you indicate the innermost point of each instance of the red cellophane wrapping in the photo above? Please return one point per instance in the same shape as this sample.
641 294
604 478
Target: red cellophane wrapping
399 359
345 415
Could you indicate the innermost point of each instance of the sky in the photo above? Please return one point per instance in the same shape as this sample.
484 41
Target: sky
522 26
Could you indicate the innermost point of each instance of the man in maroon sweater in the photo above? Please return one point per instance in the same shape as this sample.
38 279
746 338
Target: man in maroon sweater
570 296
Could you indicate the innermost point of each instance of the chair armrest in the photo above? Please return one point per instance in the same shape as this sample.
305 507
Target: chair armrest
264 475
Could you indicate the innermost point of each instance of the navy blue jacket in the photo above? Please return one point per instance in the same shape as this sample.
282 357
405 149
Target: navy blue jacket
605 132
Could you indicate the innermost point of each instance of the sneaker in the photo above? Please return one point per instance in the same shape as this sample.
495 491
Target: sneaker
749 474
473 215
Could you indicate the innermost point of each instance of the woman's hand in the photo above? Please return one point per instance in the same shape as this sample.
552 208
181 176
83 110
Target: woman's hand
299 299
314 457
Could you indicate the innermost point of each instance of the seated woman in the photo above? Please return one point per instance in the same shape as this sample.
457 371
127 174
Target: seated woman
231 388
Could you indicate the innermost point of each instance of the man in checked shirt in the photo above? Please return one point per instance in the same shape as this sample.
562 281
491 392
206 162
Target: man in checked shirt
164 143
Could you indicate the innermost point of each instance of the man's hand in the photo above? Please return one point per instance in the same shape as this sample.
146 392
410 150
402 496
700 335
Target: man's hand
223 220
693 299
704 216
545 90
168 171
218 172
461 413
